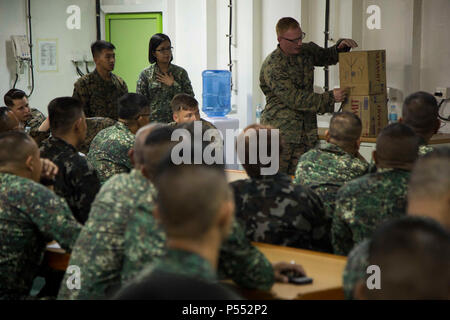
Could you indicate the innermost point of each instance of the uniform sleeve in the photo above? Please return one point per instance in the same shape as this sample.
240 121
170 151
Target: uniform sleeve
322 56
88 184
142 85
355 269
81 93
281 85
244 263
341 233
185 84
53 218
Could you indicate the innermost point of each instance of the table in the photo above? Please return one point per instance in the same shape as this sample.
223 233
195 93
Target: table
325 269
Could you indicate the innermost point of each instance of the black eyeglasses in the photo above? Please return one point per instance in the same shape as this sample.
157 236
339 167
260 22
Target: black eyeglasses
165 50
297 39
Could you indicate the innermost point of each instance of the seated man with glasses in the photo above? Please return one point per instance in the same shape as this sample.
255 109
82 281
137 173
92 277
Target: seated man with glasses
109 151
287 80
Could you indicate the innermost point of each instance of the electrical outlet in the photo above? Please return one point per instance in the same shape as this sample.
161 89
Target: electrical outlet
442 93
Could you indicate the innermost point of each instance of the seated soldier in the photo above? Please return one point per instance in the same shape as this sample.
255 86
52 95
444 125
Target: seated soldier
102 235
421 112
365 202
108 152
193 236
326 168
94 126
413 257
8 121
271 208
32 120
31 215
428 196
76 181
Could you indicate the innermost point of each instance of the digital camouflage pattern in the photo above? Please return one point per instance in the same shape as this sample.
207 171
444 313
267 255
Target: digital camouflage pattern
32 126
159 94
424 149
239 260
94 126
99 97
292 106
325 169
99 250
355 269
30 216
206 125
362 204
108 152
76 181
274 210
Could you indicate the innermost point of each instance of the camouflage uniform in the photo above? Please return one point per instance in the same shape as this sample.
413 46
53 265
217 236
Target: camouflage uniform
325 169
159 94
30 216
109 151
355 269
94 126
238 259
32 126
206 125
76 181
274 210
99 250
288 84
99 96
423 147
362 204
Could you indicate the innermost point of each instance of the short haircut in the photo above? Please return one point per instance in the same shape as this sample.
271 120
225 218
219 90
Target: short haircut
183 101
345 127
4 119
98 46
413 254
420 111
131 104
16 147
253 132
157 145
139 141
154 42
286 23
11 95
430 177
397 143
63 112
189 199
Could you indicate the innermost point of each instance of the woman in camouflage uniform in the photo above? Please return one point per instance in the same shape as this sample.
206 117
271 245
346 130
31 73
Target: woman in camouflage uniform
162 80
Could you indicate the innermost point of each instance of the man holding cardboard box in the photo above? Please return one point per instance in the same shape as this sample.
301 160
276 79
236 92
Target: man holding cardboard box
287 80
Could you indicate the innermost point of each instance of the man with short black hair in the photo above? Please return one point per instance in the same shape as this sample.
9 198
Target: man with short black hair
77 180
108 152
8 121
326 168
365 202
100 89
421 112
31 119
31 215
413 256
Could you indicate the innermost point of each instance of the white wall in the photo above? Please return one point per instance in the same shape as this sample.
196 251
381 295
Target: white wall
48 22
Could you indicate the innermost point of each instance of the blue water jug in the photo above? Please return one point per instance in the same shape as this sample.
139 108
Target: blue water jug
216 92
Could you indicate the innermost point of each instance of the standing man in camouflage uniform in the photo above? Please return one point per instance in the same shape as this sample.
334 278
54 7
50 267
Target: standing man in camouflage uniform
326 168
273 209
30 214
77 180
108 152
31 119
362 204
287 81
421 112
100 89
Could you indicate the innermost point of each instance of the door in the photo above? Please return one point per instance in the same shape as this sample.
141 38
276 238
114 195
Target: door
130 34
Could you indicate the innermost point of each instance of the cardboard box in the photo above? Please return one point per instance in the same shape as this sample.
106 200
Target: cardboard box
364 72
372 110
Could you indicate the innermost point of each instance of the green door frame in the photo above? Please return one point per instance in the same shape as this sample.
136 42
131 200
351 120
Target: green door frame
116 16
